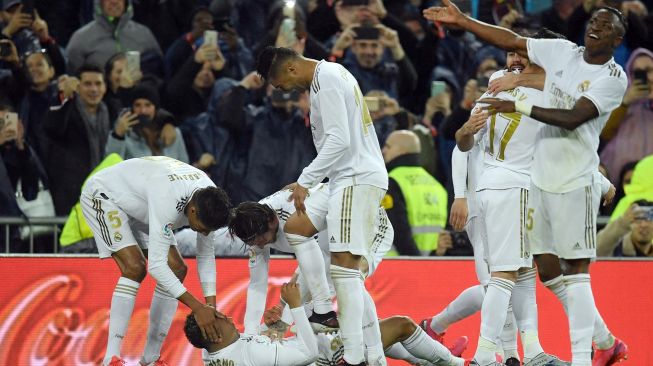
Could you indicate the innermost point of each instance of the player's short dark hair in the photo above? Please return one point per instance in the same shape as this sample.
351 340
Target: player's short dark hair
213 205
194 333
270 60
623 24
250 219
546 33
89 68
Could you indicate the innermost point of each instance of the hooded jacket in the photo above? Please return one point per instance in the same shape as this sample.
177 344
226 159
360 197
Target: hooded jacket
100 39
634 138
640 187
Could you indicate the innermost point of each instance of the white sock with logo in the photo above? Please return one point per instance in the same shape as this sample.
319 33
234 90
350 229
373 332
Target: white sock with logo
581 314
162 311
525 307
311 263
349 292
372 331
493 317
509 336
122 306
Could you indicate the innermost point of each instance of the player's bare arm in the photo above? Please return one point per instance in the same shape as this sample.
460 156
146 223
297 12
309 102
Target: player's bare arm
569 119
449 14
465 134
459 213
511 80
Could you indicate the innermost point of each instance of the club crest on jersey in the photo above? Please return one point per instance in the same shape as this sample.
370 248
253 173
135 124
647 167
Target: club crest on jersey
336 343
117 237
167 230
252 257
582 87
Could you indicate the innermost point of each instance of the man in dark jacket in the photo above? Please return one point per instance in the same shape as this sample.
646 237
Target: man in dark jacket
78 130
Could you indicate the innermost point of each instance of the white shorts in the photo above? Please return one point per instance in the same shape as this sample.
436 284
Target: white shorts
503 220
112 228
382 242
564 224
351 219
475 233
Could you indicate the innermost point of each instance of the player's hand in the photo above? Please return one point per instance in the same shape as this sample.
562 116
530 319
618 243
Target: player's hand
298 196
609 195
458 215
496 105
475 122
444 243
506 82
448 13
206 317
168 134
290 294
272 315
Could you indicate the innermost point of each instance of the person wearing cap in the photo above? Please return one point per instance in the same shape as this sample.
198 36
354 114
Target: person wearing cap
137 131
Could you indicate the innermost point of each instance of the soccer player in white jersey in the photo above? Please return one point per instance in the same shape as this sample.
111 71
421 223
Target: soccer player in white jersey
235 349
265 225
502 196
133 208
583 86
350 156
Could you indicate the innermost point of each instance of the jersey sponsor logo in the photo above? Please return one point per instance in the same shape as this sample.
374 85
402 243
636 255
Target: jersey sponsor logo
584 86
167 230
221 362
387 202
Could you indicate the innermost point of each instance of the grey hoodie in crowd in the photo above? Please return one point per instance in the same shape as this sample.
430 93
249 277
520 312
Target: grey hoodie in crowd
100 39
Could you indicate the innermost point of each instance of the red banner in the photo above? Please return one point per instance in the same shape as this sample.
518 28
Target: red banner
54 311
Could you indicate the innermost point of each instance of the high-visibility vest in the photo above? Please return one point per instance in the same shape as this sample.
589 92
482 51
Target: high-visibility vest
76 228
426 205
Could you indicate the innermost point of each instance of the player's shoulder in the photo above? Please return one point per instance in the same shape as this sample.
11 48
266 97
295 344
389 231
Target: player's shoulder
328 74
614 70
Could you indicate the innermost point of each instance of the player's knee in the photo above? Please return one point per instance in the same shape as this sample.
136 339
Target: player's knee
575 266
345 259
135 270
407 325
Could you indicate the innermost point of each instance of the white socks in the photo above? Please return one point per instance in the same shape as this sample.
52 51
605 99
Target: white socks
398 352
467 303
372 332
311 263
349 291
602 336
420 345
493 317
122 305
508 346
581 314
162 311
525 308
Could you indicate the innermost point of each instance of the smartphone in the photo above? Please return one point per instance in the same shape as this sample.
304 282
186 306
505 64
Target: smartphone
211 37
133 62
279 96
28 7
287 28
641 75
373 103
289 9
9 121
483 82
5 49
367 33
355 2
644 213
438 87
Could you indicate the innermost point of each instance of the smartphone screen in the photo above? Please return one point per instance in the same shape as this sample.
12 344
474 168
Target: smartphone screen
373 103
9 121
438 87
367 33
133 62
641 75
211 37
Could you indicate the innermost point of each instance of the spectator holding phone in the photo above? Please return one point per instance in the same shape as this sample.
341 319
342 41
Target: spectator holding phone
631 235
138 130
629 131
18 24
366 61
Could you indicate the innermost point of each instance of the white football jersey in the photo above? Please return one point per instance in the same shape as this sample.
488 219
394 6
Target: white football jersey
344 137
509 142
566 160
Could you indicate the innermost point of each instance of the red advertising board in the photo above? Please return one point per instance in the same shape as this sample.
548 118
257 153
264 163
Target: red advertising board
54 311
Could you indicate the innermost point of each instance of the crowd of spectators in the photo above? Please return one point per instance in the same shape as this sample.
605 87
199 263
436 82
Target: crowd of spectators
88 78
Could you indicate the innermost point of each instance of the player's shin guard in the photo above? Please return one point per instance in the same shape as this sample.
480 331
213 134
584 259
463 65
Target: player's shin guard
122 306
467 303
372 332
580 305
525 309
162 311
493 316
349 291
311 263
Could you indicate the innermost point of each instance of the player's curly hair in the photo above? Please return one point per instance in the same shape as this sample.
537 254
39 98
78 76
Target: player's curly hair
194 333
213 207
250 219
270 60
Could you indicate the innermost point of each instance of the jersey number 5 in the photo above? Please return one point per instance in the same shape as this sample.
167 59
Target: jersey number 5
513 122
365 112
